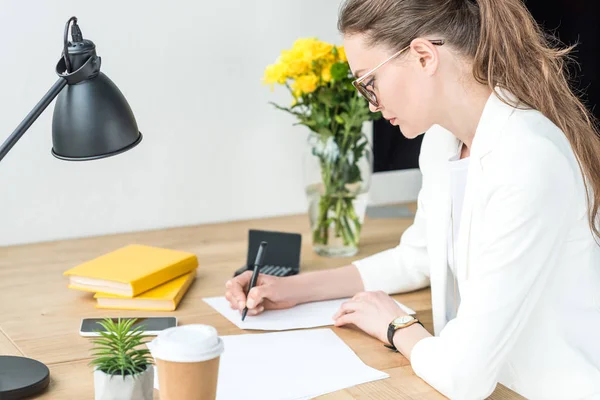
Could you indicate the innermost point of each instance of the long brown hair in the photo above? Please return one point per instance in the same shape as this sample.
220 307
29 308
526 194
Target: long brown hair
508 50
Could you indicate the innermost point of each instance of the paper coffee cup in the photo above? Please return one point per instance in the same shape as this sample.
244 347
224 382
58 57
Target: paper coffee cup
187 362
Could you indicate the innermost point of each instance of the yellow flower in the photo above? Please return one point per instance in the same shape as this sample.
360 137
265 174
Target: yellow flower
305 84
306 53
342 54
326 73
322 50
307 63
297 68
275 73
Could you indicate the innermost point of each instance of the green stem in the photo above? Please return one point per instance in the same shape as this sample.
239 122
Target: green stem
337 212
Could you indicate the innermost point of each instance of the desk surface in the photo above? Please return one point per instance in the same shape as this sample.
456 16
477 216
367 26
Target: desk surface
40 317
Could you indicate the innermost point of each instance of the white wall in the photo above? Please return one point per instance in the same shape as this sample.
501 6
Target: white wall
191 72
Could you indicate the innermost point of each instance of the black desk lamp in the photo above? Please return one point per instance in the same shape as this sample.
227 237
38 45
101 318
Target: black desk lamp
91 117
91 120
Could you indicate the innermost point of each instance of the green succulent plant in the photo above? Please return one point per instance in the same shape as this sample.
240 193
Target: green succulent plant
117 350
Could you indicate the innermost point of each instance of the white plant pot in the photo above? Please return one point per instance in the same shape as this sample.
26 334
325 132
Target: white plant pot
136 387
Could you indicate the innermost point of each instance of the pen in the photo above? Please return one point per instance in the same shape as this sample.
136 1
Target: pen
257 264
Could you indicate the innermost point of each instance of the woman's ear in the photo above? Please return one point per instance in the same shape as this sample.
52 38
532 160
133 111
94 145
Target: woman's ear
426 55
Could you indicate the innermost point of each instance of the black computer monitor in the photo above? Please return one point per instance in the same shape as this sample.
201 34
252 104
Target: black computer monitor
391 150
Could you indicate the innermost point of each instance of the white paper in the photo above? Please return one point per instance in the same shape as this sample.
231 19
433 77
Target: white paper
293 365
308 315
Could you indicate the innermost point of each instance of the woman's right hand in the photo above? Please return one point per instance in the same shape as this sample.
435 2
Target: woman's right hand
269 293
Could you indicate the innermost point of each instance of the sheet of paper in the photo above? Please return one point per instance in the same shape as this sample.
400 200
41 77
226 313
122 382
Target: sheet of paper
293 365
309 315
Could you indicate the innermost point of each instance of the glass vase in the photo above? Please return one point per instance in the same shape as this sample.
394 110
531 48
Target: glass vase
337 187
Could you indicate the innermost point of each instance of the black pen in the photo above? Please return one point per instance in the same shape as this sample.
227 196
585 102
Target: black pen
260 256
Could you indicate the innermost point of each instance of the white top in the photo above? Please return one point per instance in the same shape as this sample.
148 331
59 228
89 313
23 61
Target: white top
458 181
528 264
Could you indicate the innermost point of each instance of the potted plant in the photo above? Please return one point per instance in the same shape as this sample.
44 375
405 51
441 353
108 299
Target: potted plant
122 370
338 158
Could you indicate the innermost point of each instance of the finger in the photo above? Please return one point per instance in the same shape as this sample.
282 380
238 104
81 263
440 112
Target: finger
229 297
256 311
348 307
338 313
256 296
231 300
360 295
345 319
238 288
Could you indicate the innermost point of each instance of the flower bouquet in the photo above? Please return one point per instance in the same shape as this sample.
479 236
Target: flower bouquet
318 77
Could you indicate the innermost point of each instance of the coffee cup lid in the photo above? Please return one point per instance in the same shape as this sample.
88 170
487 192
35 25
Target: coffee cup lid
187 343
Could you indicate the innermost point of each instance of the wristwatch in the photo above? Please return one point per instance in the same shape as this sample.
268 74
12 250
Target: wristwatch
399 323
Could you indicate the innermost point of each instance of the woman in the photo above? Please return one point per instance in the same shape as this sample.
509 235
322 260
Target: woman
503 228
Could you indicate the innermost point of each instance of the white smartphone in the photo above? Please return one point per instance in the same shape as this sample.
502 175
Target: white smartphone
150 325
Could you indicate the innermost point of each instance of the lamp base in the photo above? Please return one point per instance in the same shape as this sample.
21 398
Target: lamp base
21 377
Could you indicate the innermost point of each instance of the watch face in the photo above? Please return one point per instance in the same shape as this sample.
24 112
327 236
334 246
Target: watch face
403 320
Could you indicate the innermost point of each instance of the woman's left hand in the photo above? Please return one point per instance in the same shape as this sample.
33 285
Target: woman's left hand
370 311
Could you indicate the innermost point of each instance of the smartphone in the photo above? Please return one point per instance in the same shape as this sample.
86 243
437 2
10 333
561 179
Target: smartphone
150 325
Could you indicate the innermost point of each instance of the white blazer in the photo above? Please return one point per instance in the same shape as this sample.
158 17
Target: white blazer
528 268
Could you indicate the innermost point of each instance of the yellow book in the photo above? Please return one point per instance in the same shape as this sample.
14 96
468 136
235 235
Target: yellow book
165 297
131 270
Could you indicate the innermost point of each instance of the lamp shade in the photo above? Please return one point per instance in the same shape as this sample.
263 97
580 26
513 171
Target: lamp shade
92 120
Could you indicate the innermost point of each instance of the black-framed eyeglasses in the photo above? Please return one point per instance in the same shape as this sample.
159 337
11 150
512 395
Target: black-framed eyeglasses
362 84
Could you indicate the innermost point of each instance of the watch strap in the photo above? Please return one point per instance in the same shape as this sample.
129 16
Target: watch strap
392 330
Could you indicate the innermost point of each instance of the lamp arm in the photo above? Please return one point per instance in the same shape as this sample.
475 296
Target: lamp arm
32 116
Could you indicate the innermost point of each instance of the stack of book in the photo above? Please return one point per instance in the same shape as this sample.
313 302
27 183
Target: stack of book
136 277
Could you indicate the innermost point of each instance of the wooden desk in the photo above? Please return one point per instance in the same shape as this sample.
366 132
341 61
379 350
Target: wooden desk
40 317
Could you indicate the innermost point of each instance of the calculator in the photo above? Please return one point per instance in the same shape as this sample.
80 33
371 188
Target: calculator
276 270
282 257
